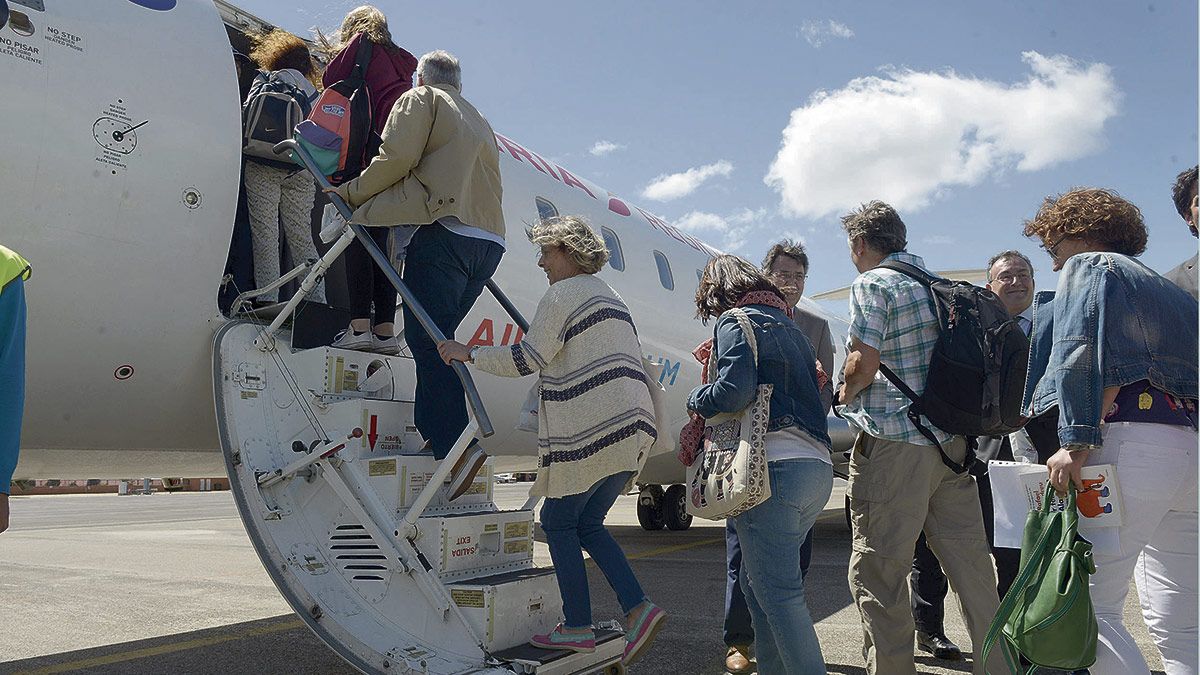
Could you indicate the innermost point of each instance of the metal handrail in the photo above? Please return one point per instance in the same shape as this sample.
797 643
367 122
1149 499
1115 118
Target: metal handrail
382 262
512 310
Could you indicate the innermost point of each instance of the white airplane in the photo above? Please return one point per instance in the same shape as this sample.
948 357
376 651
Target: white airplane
123 164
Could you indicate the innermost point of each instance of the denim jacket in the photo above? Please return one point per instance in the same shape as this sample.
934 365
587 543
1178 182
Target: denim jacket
785 360
1113 321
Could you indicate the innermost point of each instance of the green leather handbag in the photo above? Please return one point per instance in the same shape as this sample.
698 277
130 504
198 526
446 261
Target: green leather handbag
1047 615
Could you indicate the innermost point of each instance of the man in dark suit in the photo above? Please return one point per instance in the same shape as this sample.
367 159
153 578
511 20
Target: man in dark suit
786 265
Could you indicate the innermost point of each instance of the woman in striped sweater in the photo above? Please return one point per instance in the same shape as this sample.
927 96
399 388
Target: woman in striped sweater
595 425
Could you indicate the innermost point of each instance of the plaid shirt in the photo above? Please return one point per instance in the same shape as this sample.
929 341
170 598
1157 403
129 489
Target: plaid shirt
893 313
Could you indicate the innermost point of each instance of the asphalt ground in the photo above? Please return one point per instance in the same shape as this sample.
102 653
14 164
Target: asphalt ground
169 583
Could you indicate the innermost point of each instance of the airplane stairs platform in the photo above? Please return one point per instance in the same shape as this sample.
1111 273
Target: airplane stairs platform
354 527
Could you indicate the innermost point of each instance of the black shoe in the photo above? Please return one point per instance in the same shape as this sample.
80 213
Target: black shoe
939 645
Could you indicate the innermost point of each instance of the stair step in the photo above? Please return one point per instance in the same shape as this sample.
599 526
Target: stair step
507 609
469 545
609 645
398 479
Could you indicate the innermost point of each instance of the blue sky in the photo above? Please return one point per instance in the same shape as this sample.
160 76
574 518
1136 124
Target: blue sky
965 115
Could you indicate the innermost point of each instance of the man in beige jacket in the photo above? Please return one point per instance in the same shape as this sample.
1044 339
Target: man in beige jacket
438 167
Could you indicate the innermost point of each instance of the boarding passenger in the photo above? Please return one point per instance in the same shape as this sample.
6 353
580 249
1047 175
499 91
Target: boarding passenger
1115 348
1010 277
899 484
596 425
388 74
439 167
1187 203
14 271
772 533
786 265
276 192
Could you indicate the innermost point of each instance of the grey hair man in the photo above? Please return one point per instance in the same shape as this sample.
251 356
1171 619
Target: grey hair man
438 167
899 486
1010 277
439 67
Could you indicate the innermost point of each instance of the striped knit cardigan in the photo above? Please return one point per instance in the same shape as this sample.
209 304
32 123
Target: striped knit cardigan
595 416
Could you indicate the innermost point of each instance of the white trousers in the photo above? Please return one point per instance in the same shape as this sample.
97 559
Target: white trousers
1156 471
275 196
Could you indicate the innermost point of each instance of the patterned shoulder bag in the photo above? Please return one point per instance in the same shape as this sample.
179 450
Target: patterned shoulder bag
729 476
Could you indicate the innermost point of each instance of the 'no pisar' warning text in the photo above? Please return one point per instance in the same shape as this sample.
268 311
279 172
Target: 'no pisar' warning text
20 50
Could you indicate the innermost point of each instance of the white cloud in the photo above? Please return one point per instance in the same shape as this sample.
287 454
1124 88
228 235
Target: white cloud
601 148
909 136
817 33
732 230
667 187
939 240
701 221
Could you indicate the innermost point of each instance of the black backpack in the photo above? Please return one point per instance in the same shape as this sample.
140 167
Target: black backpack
271 112
977 369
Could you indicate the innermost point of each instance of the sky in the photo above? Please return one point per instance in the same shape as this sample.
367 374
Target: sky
747 122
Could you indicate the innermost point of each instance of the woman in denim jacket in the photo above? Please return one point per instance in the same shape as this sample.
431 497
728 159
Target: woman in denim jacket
1115 348
797 442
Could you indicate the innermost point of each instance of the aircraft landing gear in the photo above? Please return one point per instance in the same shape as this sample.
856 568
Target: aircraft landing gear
656 508
650 507
675 508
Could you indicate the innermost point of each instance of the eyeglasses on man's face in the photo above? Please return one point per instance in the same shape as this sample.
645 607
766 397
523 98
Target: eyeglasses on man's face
789 276
1012 278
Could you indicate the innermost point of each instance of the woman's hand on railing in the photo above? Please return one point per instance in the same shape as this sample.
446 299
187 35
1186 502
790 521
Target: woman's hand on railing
454 351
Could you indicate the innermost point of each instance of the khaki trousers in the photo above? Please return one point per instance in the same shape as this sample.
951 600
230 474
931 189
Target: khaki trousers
897 490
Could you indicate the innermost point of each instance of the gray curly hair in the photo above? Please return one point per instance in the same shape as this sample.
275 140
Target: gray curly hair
585 248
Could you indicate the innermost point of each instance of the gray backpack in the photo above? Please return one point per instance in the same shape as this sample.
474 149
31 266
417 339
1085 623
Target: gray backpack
270 114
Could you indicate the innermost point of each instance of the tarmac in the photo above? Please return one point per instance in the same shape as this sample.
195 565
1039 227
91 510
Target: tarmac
169 583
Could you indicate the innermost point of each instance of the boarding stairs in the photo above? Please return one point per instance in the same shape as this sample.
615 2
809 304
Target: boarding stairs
353 525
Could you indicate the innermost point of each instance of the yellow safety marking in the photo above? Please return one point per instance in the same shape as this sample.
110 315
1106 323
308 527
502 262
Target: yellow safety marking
121 657
672 549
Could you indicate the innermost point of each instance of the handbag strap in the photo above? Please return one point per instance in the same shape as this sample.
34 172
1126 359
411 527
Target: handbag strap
743 320
1031 567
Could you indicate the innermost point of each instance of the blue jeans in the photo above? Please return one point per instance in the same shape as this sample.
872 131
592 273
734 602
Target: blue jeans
771 535
576 522
739 629
12 376
446 272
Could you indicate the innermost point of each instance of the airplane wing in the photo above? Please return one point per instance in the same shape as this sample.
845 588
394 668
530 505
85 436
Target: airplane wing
974 276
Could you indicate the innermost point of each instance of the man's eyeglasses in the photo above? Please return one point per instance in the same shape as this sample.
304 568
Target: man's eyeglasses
1008 278
789 276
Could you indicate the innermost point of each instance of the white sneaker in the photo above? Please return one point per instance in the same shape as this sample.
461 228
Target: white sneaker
389 346
363 342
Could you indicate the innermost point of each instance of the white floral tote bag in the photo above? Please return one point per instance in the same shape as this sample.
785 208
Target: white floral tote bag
729 476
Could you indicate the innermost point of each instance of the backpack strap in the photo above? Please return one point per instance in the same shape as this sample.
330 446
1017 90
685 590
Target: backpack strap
363 58
926 279
914 416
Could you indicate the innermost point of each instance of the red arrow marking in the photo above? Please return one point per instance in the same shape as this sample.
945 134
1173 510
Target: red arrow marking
371 437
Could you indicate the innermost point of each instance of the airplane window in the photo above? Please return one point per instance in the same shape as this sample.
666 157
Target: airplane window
546 208
664 271
615 257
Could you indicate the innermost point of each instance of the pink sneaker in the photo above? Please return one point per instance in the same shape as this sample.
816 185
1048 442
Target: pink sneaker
574 642
643 632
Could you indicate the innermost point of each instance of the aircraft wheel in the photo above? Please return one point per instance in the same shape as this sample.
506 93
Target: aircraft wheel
675 508
650 507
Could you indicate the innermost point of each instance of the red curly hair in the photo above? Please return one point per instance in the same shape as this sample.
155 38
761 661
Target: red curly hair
1095 214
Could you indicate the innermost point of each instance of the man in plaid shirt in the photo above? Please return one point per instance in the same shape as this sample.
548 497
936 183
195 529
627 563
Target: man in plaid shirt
899 486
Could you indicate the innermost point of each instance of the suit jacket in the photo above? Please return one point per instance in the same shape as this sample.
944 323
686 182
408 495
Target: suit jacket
816 330
439 158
